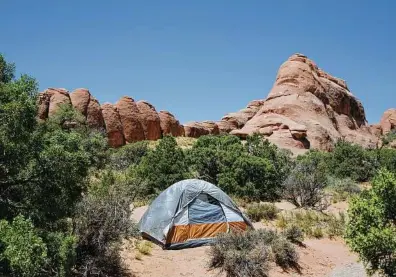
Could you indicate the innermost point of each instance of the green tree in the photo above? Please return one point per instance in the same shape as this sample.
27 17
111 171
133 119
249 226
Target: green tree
254 170
163 166
212 155
43 173
6 70
281 159
371 229
351 160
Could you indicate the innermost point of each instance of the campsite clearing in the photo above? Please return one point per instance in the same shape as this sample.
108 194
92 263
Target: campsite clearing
318 259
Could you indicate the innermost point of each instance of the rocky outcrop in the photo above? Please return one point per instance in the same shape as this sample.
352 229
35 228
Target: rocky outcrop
114 130
130 119
150 120
309 108
237 120
125 122
388 121
197 129
87 105
306 108
57 97
80 99
94 114
170 125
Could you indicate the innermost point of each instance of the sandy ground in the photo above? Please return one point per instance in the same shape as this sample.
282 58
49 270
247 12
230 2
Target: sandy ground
318 258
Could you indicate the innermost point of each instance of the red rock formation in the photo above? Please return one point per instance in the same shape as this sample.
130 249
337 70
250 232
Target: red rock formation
308 108
80 99
94 114
115 134
388 121
169 124
237 120
43 103
86 104
57 97
130 119
150 120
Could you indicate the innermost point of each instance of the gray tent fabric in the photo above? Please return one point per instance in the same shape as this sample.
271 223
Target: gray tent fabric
201 211
180 199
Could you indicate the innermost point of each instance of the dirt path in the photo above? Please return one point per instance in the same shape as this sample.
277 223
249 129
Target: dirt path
319 258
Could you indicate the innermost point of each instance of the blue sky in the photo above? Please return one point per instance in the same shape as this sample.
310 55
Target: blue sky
200 59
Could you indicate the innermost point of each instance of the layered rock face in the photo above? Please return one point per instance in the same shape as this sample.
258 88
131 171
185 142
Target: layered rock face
307 108
126 121
388 121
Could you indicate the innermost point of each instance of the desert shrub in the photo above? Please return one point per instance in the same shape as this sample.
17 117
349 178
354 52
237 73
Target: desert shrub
130 154
312 223
351 161
371 230
336 225
238 254
387 159
23 252
258 211
144 247
293 233
389 138
304 187
249 253
163 166
317 232
285 254
342 188
102 220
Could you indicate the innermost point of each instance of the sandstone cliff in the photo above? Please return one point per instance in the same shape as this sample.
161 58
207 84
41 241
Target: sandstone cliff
306 108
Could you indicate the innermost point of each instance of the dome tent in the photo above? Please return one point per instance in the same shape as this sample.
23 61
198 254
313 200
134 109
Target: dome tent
191 213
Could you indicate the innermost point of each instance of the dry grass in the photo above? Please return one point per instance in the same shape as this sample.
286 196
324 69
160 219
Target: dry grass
261 211
312 223
144 247
182 142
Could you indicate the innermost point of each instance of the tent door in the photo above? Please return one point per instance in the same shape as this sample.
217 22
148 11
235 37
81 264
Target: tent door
205 209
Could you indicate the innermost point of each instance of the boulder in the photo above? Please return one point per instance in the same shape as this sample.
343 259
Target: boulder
87 105
80 99
57 97
169 124
150 120
115 135
226 126
94 114
388 121
211 126
195 130
130 119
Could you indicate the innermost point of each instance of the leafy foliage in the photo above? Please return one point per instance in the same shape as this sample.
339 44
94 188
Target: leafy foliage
371 230
351 160
163 166
128 155
255 170
24 253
